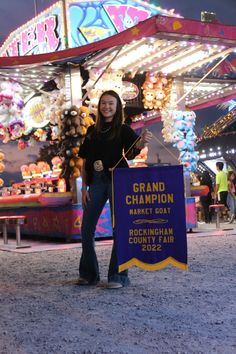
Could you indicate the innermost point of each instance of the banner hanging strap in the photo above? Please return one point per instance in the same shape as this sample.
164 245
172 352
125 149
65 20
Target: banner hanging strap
169 152
112 179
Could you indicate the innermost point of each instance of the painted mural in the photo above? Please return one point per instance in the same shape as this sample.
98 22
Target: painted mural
90 21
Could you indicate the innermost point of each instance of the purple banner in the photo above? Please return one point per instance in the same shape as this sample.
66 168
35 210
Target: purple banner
150 222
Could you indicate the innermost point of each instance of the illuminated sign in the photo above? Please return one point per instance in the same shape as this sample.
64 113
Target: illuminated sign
131 91
43 34
34 113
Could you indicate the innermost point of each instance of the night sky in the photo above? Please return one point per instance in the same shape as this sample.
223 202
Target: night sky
15 13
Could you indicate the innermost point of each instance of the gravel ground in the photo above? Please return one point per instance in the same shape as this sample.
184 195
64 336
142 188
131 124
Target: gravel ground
43 311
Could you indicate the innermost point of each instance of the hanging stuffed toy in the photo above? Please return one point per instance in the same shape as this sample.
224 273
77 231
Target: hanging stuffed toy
75 122
16 129
184 138
156 90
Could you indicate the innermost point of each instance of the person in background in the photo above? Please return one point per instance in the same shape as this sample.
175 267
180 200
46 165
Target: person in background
206 200
196 182
231 197
221 188
101 150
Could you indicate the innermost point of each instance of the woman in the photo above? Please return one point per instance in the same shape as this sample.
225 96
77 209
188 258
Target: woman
101 151
206 200
231 197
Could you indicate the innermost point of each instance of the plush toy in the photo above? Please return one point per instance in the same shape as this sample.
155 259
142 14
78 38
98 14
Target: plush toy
94 74
40 134
156 90
159 97
184 138
177 135
149 98
72 123
34 170
16 129
75 122
150 81
11 104
2 167
3 132
75 163
4 114
55 132
22 144
6 92
56 166
109 80
86 119
180 125
25 171
2 156
181 144
46 170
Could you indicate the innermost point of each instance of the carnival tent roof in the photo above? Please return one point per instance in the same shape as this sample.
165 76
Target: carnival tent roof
188 50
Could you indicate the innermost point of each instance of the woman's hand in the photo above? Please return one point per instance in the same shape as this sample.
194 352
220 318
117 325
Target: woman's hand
144 140
85 198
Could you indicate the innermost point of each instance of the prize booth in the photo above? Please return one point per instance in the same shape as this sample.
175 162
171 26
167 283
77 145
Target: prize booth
165 68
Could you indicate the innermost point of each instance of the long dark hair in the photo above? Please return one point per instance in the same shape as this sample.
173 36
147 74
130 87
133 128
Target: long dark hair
206 180
118 119
230 173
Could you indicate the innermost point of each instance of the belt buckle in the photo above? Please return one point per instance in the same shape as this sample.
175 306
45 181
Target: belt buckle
98 165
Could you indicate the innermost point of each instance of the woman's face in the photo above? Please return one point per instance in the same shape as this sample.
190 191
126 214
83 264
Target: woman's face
232 177
108 105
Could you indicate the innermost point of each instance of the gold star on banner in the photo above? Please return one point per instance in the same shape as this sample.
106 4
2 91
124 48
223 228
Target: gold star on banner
135 31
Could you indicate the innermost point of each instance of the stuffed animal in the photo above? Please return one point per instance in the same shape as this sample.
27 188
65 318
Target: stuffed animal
56 166
156 90
85 114
75 163
4 114
22 144
40 134
72 123
2 167
3 132
55 132
16 129
25 172
149 97
2 156
159 97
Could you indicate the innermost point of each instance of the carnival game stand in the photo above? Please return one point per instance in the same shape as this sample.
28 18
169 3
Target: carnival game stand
52 215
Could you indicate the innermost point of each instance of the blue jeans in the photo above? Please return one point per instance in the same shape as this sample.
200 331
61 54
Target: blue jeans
231 202
100 191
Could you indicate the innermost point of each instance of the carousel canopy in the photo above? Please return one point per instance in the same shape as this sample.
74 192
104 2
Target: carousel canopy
185 49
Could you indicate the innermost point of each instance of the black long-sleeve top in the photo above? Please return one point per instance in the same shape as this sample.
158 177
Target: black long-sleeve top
98 146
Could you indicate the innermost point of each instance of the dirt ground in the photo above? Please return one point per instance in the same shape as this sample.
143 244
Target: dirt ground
43 311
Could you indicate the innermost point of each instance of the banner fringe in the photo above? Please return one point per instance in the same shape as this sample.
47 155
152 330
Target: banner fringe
156 266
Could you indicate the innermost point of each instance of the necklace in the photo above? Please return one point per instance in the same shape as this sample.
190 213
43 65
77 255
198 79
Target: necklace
105 130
